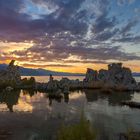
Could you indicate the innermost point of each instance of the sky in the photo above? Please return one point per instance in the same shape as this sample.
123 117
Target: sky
70 35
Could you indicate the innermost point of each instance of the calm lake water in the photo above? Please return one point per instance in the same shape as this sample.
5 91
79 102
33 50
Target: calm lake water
25 115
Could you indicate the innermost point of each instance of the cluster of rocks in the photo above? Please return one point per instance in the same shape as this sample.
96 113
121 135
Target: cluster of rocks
116 77
10 76
27 83
62 86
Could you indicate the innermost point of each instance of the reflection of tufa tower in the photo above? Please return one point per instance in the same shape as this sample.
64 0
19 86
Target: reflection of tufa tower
10 98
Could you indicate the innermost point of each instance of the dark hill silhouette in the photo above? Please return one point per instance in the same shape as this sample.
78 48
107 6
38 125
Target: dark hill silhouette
40 72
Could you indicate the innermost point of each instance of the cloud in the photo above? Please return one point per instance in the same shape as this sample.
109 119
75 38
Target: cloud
126 35
133 40
128 27
55 53
103 23
123 2
86 61
103 36
44 65
23 27
137 10
84 29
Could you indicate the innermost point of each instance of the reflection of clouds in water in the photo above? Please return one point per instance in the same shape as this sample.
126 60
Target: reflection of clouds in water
101 109
76 95
3 107
24 103
23 106
41 106
25 98
110 119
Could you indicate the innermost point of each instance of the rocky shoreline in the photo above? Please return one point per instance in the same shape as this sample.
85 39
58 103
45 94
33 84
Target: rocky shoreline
116 77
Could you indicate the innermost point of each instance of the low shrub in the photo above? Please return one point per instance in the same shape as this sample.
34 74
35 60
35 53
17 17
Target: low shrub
79 131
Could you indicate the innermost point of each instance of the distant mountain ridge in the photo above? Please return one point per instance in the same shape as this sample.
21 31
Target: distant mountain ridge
41 72
136 74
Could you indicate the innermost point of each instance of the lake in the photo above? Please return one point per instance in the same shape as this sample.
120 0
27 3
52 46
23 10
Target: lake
25 115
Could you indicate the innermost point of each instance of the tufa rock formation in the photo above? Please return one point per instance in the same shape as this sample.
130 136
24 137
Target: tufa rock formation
91 75
116 77
10 76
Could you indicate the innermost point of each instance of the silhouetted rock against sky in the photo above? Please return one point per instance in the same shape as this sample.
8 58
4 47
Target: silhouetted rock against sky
91 75
10 76
116 76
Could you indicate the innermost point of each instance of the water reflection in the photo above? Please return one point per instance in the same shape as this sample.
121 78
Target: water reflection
29 92
23 98
14 98
66 98
57 98
101 109
9 98
113 99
